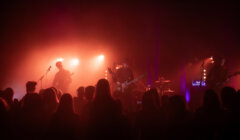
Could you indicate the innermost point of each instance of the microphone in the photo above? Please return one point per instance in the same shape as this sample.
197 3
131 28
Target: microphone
49 68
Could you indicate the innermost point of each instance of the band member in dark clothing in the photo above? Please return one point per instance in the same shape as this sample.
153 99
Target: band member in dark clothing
217 74
62 78
124 75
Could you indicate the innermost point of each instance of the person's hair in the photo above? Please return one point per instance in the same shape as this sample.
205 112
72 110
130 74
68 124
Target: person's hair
50 100
8 94
103 91
155 97
80 92
31 86
49 95
65 104
147 102
210 99
228 97
150 100
58 92
89 92
177 103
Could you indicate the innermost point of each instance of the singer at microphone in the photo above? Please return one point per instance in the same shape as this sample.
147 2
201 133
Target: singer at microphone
62 78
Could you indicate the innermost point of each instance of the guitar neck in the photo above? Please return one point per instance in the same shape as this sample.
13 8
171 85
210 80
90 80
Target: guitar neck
135 80
234 74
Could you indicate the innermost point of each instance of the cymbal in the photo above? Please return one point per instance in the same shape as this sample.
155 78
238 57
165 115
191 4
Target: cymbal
163 81
168 91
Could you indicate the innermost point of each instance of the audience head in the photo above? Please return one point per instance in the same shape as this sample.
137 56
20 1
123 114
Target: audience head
58 92
89 92
49 95
228 96
65 104
8 95
177 104
210 100
147 101
103 90
80 92
31 86
49 99
150 100
155 97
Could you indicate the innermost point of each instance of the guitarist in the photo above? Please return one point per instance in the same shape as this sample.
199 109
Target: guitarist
124 74
62 78
217 75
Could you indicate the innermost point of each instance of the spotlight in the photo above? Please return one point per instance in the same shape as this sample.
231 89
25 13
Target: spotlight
60 59
101 57
204 70
211 58
74 62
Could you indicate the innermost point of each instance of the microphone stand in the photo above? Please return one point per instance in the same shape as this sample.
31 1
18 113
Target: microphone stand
44 75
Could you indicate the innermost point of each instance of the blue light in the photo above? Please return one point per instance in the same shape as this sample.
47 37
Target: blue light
197 83
187 95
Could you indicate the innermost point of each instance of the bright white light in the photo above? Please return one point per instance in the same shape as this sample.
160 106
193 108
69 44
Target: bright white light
211 58
60 59
101 57
75 62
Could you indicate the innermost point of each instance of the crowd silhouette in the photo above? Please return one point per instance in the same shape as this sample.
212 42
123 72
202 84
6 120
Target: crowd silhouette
96 114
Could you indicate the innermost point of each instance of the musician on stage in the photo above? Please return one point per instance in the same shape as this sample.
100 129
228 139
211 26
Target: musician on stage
62 78
217 75
124 74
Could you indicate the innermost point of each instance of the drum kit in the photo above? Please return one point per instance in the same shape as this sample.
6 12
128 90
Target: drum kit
164 86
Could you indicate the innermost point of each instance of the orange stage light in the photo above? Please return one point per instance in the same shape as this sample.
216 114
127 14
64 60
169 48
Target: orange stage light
101 57
60 59
75 62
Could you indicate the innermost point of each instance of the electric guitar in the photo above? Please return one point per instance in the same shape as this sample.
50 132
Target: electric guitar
122 86
215 83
